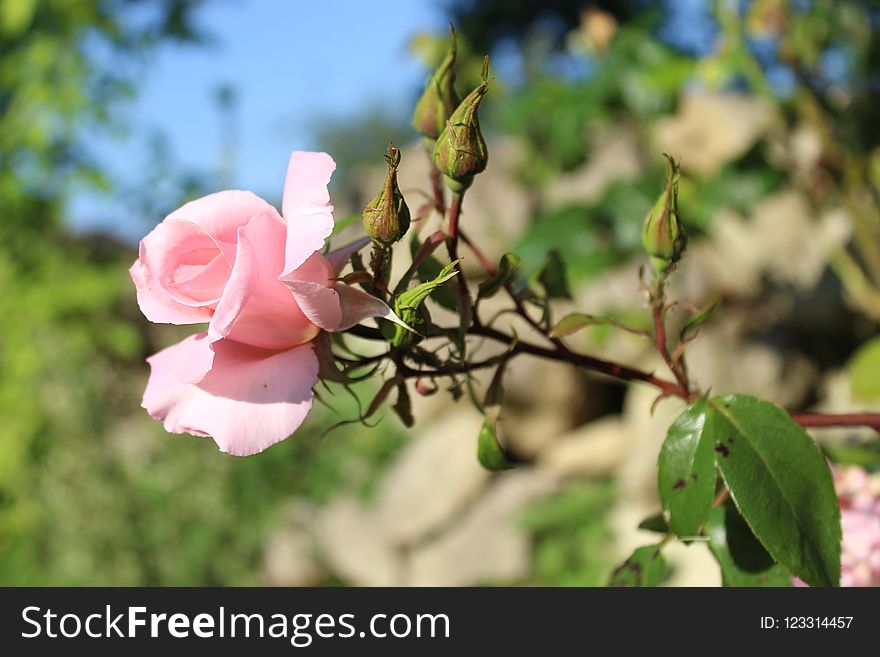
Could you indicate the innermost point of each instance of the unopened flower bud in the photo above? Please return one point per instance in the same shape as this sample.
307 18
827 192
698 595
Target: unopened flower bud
663 234
460 152
386 218
439 100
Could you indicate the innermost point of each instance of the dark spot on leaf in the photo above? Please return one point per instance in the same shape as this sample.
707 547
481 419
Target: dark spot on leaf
681 483
694 476
730 440
722 449
266 386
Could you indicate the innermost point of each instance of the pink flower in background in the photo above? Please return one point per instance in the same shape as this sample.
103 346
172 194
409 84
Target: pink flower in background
859 497
259 280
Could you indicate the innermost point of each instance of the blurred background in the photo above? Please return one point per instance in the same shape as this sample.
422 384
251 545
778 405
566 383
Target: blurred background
114 112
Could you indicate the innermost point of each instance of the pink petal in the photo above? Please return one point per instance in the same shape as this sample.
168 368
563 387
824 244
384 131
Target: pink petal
256 308
204 281
319 303
249 400
223 213
340 257
357 306
174 252
312 286
157 305
306 206
173 370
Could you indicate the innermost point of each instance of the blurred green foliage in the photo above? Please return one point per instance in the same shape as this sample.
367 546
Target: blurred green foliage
572 540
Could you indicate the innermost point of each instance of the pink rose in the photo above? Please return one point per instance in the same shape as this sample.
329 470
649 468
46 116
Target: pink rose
261 283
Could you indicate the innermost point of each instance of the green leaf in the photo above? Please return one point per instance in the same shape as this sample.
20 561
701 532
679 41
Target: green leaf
743 560
553 277
864 371
645 567
489 450
574 322
656 523
414 297
780 482
686 474
508 268
443 295
698 319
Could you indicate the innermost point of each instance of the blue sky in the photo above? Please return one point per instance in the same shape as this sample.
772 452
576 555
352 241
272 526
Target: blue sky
291 63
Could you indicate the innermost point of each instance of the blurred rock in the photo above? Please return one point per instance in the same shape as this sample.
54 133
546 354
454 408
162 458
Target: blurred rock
486 544
710 129
720 358
614 156
597 449
354 545
541 399
781 239
289 561
799 150
435 477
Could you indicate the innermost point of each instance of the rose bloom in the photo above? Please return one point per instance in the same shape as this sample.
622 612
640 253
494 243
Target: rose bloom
259 280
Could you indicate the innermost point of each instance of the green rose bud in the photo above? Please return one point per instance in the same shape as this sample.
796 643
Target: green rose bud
386 218
663 234
439 100
460 152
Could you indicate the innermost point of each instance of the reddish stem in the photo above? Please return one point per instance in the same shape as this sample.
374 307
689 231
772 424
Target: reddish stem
592 363
806 419
464 297
658 312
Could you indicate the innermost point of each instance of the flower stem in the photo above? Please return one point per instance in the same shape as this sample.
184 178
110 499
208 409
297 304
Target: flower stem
658 311
464 297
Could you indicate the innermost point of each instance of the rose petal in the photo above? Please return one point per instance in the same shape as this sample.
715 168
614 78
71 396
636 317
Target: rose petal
174 251
157 305
312 286
223 213
249 400
204 282
358 305
256 308
319 303
173 370
306 206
